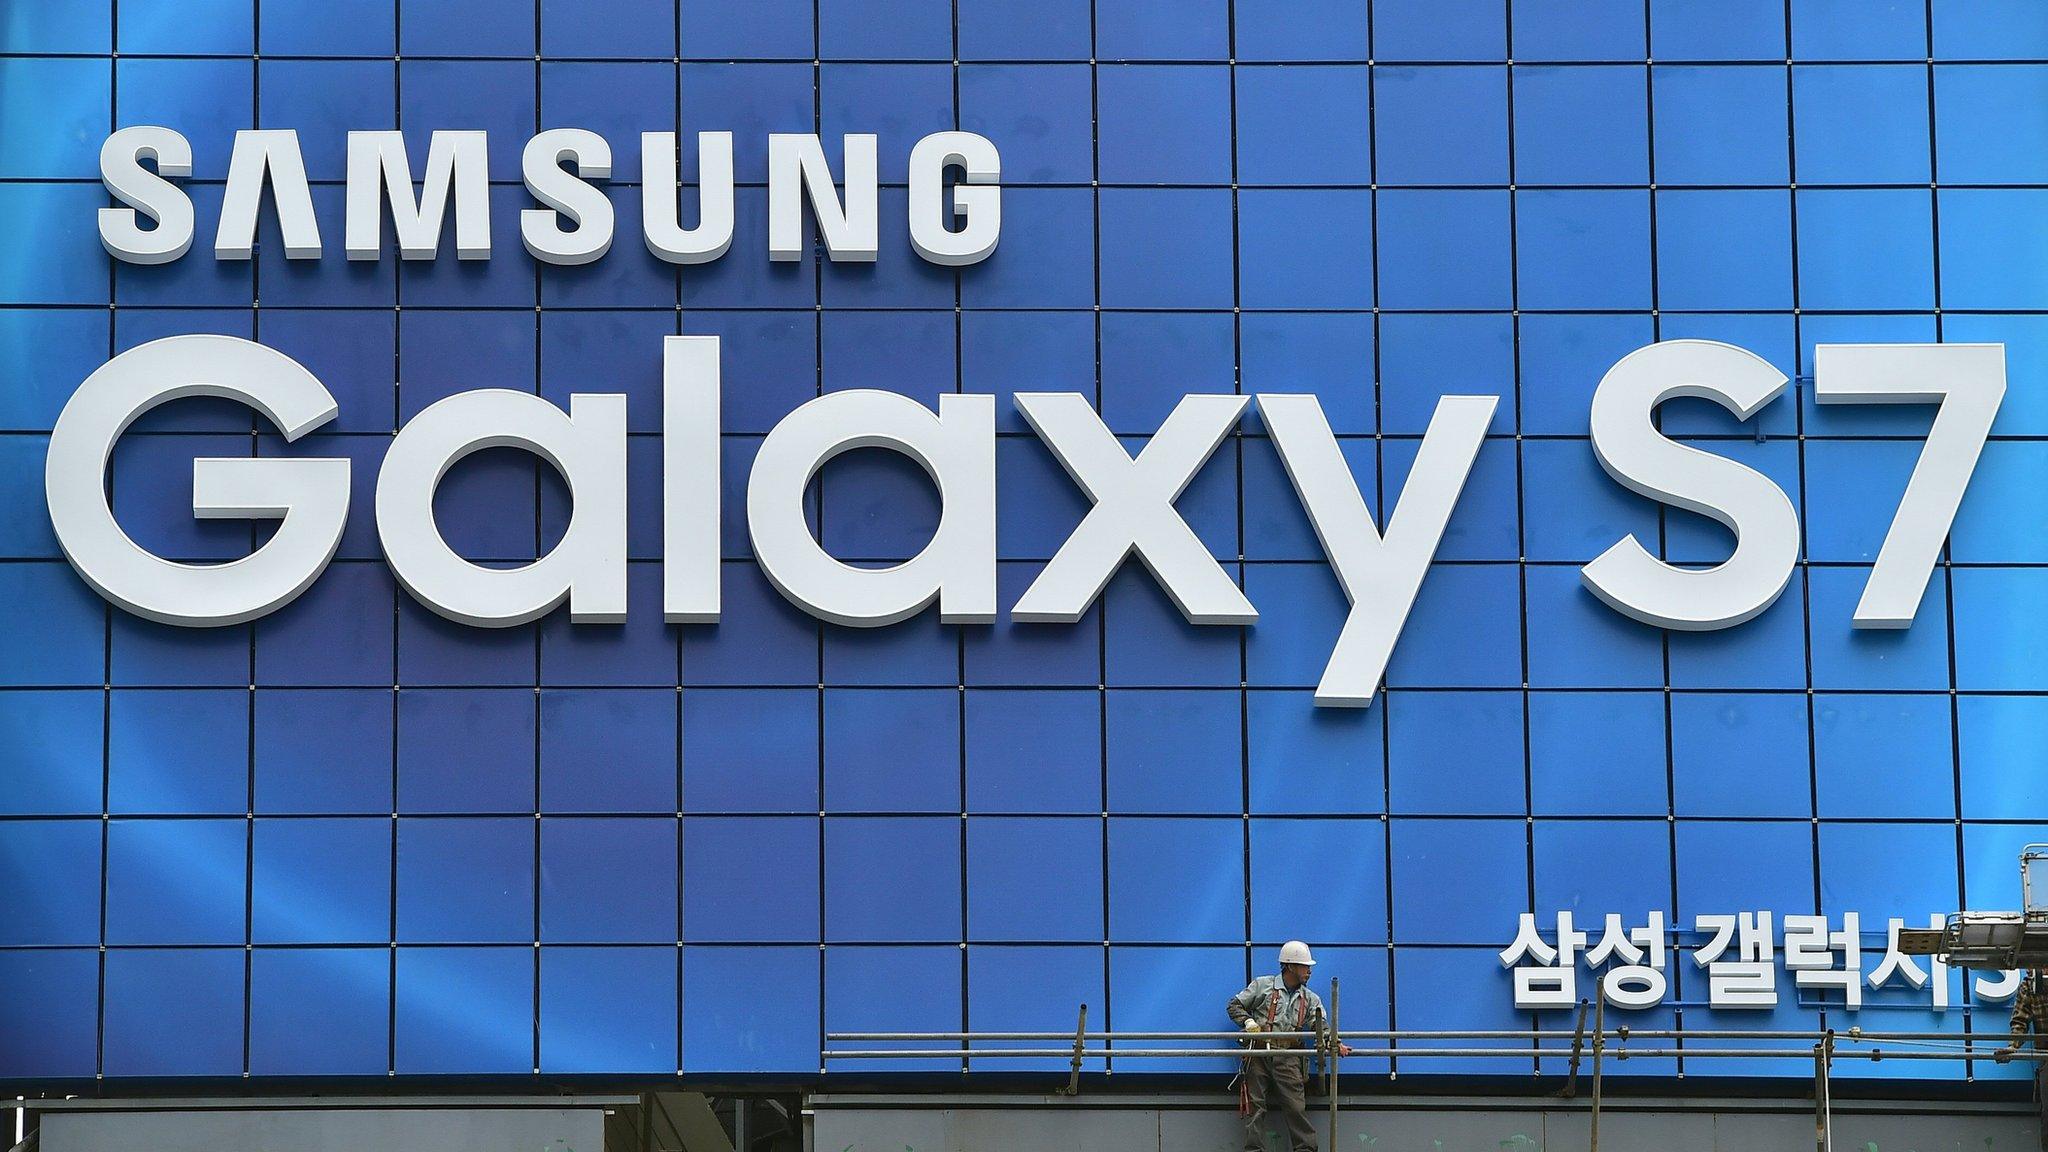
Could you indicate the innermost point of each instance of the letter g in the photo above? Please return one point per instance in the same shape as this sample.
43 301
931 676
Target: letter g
310 495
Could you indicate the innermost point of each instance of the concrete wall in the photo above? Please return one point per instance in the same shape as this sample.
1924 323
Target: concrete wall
1210 1124
251 1126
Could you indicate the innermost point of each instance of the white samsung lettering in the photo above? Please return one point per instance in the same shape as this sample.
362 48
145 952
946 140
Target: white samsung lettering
1968 381
1381 575
146 192
1133 513
798 171
956 447
274 155
1641 458
977 200
660 185
689 479
309 497
1742 957
574 223
567 197
587 445
1133 510
379 172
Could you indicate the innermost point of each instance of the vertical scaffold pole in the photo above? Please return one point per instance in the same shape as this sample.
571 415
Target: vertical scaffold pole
1335 1002
1823 1055
1080 1037
1599 1047
1571 1082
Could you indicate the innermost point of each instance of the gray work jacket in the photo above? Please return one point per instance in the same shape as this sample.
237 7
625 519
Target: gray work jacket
1268 1001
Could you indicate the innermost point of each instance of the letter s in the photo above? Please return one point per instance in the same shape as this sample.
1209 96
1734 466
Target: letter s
310 495
1642 459
146 193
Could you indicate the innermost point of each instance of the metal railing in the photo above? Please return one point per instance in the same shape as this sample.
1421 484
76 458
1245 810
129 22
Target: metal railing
1823 1047
1619 1044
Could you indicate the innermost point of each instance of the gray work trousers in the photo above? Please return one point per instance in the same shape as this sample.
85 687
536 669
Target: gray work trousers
1278 1087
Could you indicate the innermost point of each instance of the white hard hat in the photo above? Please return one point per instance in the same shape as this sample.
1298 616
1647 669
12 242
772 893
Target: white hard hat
1295 952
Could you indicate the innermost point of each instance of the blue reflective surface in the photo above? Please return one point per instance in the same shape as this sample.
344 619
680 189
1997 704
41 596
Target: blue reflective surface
353 838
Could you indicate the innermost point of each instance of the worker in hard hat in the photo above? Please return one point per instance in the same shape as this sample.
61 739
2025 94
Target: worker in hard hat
1278 1084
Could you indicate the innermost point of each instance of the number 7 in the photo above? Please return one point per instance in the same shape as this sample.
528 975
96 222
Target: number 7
1968 381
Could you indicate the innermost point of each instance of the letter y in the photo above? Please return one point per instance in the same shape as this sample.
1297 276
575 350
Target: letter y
1380 575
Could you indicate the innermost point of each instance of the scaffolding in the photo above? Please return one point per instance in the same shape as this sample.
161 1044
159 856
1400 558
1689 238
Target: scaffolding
2004 941
1569 1047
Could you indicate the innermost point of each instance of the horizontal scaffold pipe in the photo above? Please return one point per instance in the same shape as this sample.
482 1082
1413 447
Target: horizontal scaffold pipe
1232 1034
1620 1053
1853 1036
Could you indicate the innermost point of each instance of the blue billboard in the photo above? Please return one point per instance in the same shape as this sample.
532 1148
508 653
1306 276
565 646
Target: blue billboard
349 835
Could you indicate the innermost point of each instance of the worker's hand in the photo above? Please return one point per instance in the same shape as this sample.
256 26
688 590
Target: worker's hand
1343 1049
1251 1026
